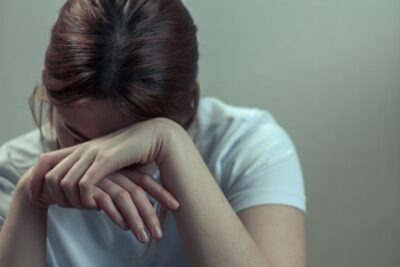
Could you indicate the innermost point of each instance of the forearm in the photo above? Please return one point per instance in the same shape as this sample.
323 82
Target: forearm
210 230
23 235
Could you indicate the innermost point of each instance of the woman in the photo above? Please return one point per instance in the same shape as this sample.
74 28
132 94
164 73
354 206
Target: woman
130 145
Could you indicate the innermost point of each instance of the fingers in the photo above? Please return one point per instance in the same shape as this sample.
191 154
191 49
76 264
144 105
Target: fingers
66 177
71 183
142 202
97 170
46 162
156 190
55 178
107 205
125 203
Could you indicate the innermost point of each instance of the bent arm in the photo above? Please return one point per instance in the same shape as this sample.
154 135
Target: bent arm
23 235
210 230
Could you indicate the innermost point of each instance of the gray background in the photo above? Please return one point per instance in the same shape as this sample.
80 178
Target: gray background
328 70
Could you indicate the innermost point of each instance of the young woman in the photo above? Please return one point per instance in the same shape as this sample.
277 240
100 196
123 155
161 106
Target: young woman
130 153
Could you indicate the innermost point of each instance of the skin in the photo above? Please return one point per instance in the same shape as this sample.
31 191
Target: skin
211 232
117 191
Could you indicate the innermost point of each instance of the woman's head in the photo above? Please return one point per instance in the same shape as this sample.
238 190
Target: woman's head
110 63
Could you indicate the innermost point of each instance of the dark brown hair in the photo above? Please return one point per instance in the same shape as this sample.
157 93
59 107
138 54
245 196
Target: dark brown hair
141 55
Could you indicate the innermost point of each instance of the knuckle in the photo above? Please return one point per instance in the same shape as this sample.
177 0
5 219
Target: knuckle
87 175
66 184
143 178
162 191
83 148
104 199
115 214
151 215
50 179
102 157
87 204
138 222
121 195
136 190
44 158
84 184
92 150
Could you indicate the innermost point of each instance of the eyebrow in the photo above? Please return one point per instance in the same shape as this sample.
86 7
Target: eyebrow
77 133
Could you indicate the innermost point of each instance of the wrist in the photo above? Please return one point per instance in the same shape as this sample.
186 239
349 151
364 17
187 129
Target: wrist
21 195
178 158
171 136
22 199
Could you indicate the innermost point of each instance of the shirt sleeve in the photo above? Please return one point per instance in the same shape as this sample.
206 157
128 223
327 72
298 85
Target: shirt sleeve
16 156
8 179
263 168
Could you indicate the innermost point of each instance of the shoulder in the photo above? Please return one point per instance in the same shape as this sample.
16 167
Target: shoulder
251 156
213 110
20 152
16 156
229 129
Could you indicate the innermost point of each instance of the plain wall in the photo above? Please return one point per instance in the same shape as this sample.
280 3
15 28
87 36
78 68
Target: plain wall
329 71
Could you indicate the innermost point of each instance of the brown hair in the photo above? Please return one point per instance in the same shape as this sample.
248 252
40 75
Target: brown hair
141 55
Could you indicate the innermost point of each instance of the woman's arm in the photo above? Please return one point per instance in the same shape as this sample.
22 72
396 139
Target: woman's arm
23 235
210 230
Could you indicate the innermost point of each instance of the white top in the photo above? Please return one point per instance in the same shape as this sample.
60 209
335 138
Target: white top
251 157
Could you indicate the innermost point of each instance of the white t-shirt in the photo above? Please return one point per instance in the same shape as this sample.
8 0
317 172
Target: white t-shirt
251 157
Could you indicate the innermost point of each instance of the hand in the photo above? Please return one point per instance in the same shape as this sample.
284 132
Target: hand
109 193
114 199
43 201
121 196
131 200
80 167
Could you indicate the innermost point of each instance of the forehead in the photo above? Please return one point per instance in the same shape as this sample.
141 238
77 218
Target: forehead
93 117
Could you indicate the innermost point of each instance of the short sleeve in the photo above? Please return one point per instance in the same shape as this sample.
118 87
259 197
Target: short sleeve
16 156
263 167
8 179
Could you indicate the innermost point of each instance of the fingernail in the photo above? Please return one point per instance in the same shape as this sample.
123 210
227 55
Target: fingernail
143 236
174 203
157 233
